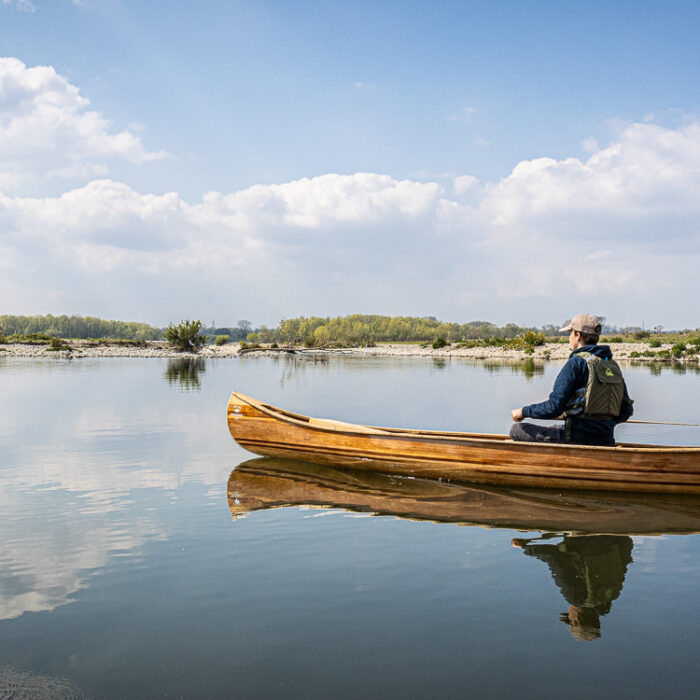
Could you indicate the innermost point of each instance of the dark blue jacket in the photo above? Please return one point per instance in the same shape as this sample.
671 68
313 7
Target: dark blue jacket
573 376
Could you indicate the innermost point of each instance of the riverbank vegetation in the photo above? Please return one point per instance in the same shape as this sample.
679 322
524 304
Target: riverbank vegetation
358 329
185 336
41 328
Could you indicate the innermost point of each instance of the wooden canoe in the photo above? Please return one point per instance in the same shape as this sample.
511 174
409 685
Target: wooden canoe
271 482
472 457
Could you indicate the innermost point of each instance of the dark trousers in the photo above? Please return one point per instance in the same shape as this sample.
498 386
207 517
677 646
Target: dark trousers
529 432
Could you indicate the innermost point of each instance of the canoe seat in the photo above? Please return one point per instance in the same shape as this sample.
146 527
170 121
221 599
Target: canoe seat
340 425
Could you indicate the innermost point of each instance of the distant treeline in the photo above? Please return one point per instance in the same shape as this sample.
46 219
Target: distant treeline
77 327
360 329
240 331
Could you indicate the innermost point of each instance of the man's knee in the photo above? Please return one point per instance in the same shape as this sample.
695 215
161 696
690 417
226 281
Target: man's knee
517 433
529 432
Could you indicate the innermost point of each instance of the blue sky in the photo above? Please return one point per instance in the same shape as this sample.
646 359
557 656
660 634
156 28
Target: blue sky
507 161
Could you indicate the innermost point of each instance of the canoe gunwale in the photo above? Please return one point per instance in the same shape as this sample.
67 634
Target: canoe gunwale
305 422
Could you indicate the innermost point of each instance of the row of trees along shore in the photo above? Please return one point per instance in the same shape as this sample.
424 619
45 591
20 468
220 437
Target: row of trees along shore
76 327
363 329
312 331
18 328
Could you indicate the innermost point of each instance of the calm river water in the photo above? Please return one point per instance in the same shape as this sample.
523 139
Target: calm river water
138 560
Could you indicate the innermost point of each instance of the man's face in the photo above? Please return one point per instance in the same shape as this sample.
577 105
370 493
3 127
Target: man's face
573 339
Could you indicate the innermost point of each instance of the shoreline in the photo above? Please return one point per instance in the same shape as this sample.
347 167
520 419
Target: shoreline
160 349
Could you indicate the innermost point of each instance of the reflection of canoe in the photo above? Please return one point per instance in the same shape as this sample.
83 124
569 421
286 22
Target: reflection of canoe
259 484
270 431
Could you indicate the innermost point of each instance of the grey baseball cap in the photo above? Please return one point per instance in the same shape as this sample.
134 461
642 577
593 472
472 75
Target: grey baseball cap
583 323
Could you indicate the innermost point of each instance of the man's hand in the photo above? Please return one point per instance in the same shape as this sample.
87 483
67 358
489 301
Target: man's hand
517 415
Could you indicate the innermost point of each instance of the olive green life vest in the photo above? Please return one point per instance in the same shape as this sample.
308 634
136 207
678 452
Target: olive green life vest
601 398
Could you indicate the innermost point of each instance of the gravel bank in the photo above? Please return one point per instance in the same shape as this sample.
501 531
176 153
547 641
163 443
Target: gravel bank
84 348
549 351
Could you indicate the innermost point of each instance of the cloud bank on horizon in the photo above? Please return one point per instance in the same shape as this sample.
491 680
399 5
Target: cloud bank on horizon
616 232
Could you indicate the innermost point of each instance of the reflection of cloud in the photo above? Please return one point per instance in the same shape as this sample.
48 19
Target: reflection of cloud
45 559
76 473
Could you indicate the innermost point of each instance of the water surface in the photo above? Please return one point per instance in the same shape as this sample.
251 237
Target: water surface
138 561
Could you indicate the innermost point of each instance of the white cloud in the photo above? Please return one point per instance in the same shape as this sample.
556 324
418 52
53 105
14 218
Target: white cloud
648 171
605 229
106 224
329 200
22 5
47 131
590 145
464 183
464 115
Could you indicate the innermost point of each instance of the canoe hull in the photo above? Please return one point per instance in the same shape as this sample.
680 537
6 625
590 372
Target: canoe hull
491 459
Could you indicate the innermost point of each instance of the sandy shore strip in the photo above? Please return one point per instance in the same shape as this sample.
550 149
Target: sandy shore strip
549 351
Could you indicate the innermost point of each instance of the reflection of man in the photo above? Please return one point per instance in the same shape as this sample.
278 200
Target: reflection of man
589 572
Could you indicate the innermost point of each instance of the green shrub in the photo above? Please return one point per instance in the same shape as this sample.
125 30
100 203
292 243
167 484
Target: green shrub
634 353
221 339
664 354
439 343
56 344
695 341
527 341
274 346
678 349
641 335
656 343
615 339
532 338
30 338
185 336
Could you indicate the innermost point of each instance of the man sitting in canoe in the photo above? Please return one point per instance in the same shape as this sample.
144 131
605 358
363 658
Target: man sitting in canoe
589 392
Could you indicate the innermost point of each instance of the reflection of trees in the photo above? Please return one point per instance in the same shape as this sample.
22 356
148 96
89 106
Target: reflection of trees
656 368
528 368
589 572
295 365
185 371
